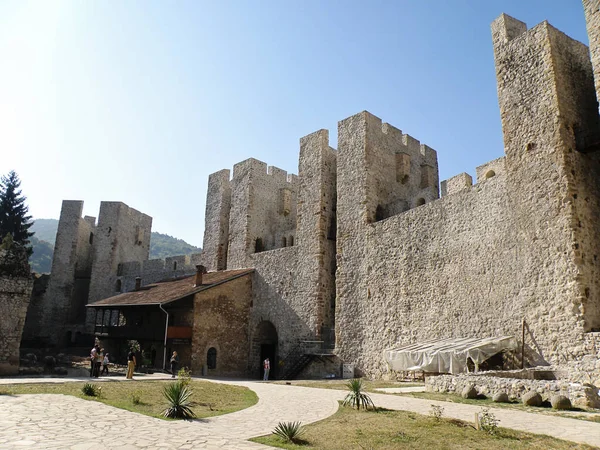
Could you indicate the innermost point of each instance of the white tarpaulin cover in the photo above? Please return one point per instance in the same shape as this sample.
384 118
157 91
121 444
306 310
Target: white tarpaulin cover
446 355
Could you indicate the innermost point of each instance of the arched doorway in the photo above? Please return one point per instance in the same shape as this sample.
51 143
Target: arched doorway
264 345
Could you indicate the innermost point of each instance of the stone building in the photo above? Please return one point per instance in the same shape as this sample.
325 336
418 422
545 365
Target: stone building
16 284
358 252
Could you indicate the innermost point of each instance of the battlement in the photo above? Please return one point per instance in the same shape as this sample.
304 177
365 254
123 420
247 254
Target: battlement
256 169
393 171
404 143
153 270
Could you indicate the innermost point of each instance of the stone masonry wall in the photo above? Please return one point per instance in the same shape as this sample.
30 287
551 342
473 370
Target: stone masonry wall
263 206
122 235
221 321
153 270
15 291
592 17
64 300
316 233
476 262
216 230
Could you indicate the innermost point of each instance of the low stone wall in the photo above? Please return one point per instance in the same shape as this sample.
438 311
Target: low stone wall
580 394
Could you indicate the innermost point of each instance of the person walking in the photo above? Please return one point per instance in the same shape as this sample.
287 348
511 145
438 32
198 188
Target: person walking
174 363
267 368
105 365
93 352
131 363
98 361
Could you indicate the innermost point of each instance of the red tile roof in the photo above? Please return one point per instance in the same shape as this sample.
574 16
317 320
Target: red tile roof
170 290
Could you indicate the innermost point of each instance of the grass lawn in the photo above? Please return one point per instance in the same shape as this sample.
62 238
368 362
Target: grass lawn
368 386
210 399
577 413
384 429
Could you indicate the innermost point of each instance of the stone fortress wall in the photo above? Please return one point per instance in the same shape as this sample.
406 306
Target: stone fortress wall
592 17
521 244
92 262
360 242
16 284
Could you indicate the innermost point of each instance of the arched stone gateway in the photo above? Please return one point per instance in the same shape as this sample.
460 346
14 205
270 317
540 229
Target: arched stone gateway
264 345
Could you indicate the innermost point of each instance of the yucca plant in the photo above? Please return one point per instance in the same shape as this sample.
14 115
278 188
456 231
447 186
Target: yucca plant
178 395
91 390
356 398
289 431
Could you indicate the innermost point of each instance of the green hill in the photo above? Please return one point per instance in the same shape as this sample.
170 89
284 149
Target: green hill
161 245
41 259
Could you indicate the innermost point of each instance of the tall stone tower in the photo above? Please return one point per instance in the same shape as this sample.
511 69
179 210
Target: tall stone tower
592 18
122 235
549 116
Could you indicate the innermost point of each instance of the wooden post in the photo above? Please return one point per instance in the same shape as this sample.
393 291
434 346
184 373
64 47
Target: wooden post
523 346
477 423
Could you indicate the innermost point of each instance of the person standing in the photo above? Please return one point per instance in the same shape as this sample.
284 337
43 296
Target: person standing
174 363
267 368
131 363
93 352
98 361
105 365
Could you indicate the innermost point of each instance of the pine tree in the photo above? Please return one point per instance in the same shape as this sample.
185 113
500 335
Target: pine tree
13 212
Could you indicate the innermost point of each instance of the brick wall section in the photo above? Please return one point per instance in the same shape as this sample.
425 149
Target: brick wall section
16 285
221 321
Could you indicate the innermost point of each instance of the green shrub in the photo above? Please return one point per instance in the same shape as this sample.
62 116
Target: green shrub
289 431
356 398
91 390
488 421
185 376
136 397
178 397
436 412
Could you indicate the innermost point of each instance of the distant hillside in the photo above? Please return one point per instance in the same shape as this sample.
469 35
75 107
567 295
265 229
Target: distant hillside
45 229
41 259
161 245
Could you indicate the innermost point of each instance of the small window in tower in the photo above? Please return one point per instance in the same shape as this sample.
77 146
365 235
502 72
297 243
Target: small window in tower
291 241
258 245
91 238
283 242
174 265
211 358
119 286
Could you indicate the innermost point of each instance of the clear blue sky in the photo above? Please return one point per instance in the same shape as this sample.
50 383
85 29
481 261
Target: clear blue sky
139 101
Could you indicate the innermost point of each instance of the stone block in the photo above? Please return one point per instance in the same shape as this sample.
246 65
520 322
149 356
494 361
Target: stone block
560 402
531 398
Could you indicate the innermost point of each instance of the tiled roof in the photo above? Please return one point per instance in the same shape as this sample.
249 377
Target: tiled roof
170 290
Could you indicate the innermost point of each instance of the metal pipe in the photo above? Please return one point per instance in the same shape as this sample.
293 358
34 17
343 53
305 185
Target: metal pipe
165 342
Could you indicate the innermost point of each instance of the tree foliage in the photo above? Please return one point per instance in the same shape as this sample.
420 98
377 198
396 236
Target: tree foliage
14 218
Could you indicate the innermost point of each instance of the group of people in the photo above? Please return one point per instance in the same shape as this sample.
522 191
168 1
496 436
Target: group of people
98 362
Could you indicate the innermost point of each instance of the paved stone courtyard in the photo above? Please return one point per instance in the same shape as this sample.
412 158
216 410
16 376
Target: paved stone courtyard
65 422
